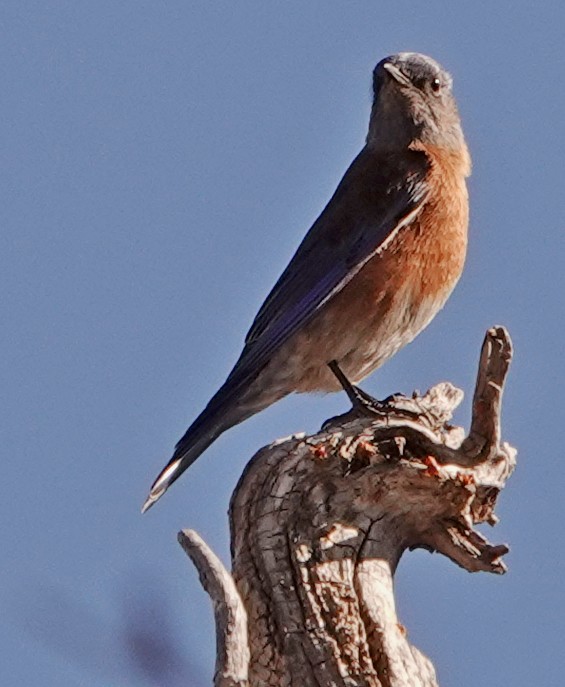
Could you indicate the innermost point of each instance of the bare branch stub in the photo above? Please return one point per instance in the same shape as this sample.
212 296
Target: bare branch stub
232 648
319 524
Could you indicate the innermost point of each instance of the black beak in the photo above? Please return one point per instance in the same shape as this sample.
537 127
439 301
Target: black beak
396 74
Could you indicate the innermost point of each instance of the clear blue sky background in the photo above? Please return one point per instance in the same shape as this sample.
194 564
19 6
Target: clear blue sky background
160 162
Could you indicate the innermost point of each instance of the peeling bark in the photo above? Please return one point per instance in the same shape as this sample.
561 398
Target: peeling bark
319 523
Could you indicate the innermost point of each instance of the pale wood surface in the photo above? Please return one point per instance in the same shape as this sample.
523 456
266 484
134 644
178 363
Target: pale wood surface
319 523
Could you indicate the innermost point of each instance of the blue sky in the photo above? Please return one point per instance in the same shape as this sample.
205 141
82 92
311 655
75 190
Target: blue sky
160 163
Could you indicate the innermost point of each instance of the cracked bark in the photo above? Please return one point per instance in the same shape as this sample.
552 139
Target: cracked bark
319 523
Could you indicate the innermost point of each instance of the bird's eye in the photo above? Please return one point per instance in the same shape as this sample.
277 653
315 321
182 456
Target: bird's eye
436 85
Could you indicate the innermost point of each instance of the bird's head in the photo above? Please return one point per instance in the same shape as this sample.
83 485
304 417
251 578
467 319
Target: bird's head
413 101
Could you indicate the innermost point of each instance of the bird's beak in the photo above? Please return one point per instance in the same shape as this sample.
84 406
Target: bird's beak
396 74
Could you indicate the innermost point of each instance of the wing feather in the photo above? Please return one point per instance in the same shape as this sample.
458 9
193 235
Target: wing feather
370 206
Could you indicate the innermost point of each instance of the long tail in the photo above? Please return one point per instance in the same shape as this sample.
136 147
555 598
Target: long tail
196 440
226 409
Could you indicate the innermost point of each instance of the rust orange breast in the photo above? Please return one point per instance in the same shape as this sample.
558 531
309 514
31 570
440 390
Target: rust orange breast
428 256
397 292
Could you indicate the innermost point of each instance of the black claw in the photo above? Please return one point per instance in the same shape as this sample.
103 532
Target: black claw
361 400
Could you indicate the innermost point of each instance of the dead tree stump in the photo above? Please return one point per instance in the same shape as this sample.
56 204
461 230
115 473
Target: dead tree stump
319 523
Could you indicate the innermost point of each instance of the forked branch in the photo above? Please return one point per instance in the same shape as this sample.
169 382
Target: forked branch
319 524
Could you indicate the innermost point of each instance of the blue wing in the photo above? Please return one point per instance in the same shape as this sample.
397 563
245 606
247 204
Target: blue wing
372 203
377 198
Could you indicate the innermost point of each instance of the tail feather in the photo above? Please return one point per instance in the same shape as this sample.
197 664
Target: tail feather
231 405
203 431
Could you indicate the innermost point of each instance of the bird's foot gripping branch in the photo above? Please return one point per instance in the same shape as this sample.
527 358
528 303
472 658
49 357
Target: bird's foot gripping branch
319 524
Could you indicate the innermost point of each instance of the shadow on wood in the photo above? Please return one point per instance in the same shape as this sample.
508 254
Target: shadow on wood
319 523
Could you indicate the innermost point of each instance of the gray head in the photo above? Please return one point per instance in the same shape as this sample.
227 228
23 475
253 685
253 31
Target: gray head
413 101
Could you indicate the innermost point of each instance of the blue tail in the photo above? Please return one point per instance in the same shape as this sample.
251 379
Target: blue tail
228 407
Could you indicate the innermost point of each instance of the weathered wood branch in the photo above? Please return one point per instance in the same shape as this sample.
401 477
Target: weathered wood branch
232 647
319 524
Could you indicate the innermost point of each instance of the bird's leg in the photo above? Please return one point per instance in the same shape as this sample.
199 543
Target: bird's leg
360 399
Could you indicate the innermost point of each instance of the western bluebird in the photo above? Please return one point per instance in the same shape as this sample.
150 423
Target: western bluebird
374 269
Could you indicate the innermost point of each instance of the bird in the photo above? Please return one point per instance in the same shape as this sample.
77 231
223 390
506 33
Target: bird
373 270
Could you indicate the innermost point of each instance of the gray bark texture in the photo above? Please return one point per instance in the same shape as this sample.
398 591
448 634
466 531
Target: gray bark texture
319 523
